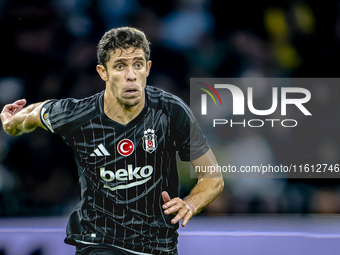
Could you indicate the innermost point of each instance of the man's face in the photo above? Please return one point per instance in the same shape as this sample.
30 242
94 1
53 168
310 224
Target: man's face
125 75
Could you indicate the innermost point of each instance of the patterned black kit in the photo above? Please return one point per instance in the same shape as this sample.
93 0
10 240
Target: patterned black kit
123 169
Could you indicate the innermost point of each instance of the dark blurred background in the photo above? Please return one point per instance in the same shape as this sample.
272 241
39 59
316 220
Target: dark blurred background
48 50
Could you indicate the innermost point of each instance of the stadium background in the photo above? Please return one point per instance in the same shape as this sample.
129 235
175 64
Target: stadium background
48 50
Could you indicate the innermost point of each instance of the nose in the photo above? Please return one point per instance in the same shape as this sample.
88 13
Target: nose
131 75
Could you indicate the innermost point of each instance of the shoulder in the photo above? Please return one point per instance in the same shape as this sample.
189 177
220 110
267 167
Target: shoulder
73 106
158 95
160 98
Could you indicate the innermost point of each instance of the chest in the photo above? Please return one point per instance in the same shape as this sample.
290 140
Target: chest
99 140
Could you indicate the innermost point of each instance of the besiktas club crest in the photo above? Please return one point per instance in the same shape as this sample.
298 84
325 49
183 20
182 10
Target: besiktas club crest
149 140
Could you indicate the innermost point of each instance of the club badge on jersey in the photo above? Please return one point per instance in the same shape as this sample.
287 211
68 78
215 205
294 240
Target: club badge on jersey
149 140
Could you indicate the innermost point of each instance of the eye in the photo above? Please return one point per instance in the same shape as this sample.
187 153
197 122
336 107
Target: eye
138 65
119 66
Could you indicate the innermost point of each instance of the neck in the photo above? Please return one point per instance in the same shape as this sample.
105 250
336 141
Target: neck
118 112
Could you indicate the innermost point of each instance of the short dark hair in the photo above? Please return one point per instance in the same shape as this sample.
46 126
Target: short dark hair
121 38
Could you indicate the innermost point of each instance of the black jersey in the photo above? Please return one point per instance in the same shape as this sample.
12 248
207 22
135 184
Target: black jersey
123 169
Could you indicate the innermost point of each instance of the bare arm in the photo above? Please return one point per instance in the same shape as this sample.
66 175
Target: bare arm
208 187
17 120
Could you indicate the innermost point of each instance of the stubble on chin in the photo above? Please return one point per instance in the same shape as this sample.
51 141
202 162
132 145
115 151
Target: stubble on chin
129 103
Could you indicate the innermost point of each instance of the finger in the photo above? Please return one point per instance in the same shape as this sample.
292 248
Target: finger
165 196
171 203
15 107
21 102
186 218
19 105
173 209
8 108
179 216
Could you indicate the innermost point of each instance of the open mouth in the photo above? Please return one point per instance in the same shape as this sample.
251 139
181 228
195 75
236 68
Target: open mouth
130 92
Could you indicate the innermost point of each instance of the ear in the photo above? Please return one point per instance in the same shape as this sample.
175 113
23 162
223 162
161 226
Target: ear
102 72
148 67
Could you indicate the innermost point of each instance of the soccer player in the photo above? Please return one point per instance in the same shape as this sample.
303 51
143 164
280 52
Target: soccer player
125 141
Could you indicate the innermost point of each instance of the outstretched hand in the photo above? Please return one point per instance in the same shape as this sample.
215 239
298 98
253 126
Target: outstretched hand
11 109
177 205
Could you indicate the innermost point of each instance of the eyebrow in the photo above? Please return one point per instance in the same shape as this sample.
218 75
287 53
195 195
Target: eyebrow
120 60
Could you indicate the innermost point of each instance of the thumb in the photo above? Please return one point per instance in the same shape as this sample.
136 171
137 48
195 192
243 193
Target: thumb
165 196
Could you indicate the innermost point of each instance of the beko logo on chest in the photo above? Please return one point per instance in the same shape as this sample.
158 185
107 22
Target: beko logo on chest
124 175
141 174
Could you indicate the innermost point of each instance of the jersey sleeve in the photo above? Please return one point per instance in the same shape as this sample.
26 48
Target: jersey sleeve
56 115
67 115
190 141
